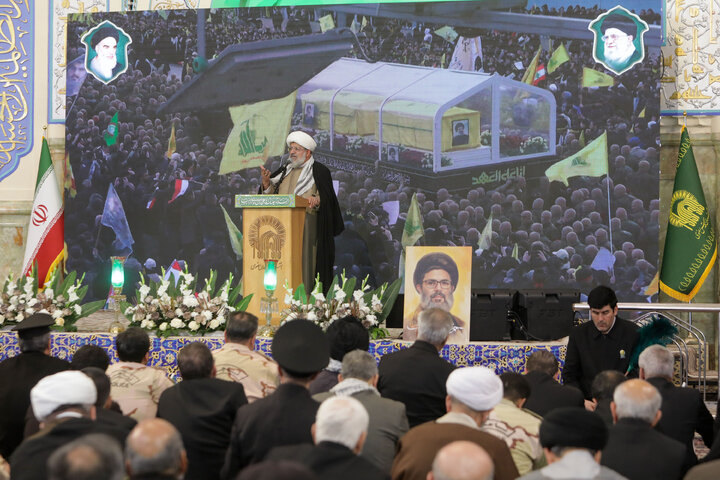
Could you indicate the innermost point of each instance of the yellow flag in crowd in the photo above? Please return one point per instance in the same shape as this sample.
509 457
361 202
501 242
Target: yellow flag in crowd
485 240
558 57
259 132
172 145
642 113
581 140
327 23
529 75
413 230
593 78
591 161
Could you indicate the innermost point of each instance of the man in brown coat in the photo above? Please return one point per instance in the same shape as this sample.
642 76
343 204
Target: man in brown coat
472 394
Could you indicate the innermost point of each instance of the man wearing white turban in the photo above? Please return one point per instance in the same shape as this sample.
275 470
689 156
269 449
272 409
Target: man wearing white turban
307 178
472 393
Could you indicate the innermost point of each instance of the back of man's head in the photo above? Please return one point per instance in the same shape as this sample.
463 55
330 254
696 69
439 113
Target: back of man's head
604 384
341 420
91 457
34 342
359 364
434 325
132 345
241 327
462 460
515 386
636 399
345 335
102 384
656 361
601 296
542 361
90 356
195 361
154 446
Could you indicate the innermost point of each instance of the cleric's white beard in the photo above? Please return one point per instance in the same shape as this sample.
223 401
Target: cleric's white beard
103 66
619 55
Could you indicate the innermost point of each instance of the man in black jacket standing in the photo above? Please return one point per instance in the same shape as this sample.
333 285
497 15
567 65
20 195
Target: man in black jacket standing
605 343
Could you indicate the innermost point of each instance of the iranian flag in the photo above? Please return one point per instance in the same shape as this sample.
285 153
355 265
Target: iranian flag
45 243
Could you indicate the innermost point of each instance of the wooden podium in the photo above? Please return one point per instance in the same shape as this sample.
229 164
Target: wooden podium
272 230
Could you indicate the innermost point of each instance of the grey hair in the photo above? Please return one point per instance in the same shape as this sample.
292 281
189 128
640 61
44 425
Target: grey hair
91 457
359 364
34 343
657 361
434 325
633 400
341 420
167 460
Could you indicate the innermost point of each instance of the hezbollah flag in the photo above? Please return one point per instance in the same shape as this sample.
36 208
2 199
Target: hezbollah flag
236 238
45 244
259 132
690 243
485 239
413 230
591 161
593 78
558 57
111 135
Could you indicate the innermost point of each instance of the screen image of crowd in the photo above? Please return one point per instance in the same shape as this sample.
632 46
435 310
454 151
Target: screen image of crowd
558 230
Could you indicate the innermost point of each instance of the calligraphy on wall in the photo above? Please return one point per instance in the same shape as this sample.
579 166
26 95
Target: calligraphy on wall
690 79
16 81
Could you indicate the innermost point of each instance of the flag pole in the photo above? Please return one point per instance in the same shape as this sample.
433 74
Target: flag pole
607 177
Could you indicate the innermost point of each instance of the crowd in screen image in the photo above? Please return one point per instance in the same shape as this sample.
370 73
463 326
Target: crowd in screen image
544 234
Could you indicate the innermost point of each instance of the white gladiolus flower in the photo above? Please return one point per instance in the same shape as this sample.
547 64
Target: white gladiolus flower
78 309
358 295
339 294
188 277
220 320
177 323
193 325
59 321
207 315
72 296
144 290
224 296
32 302
14 300
163 326
371 318
319 297
28 287
190 301
311 316
288 299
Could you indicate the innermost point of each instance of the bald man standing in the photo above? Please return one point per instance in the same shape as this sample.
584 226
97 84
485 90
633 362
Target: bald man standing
307 178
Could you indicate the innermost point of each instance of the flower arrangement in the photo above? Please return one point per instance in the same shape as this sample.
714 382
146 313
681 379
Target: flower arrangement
371 307
172 306
534 145
354 143
60 298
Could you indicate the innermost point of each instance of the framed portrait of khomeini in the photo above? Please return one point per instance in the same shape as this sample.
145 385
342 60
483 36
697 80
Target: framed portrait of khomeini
106 51
438 277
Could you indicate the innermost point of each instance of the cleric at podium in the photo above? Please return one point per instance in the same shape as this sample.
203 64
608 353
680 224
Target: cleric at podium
302 175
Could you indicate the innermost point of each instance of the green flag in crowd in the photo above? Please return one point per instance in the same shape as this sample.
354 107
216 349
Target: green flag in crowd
236 238
413 230
558 57
111 135
690 243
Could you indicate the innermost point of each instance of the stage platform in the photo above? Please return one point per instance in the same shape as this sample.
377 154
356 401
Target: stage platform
500 356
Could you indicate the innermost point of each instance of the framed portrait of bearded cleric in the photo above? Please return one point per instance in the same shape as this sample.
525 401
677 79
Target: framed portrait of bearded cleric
438 277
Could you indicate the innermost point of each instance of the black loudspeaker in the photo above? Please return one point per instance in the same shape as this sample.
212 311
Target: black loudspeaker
395 317
489 315
544 315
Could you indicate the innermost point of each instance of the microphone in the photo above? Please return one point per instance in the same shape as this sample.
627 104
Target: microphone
284 162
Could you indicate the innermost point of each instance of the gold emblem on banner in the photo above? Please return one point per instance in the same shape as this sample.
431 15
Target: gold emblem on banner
267 237
685 210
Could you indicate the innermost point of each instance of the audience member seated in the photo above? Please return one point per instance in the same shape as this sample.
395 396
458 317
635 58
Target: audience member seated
136 387
518 428
573 439
104 414
339 434
634 448
277 470
472 392
546 393
705 471
416 376
344 335
286 416
91 457
388 422
238 361
154 450
20 373
603 388
203 410
64 403
461 461
90 356
683 409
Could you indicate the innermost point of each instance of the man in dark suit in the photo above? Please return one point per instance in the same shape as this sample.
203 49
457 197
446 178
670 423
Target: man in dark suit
203 409
605 343
416 376
546 393
388 422
634 449
683 409
20 373
286 416
339 433
104 414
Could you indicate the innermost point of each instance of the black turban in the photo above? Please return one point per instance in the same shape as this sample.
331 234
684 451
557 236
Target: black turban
435 261
573 427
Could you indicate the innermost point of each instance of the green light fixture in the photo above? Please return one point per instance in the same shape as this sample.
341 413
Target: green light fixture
117 275
270 278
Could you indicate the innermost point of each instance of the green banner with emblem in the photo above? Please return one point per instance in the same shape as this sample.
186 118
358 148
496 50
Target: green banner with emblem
690 244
